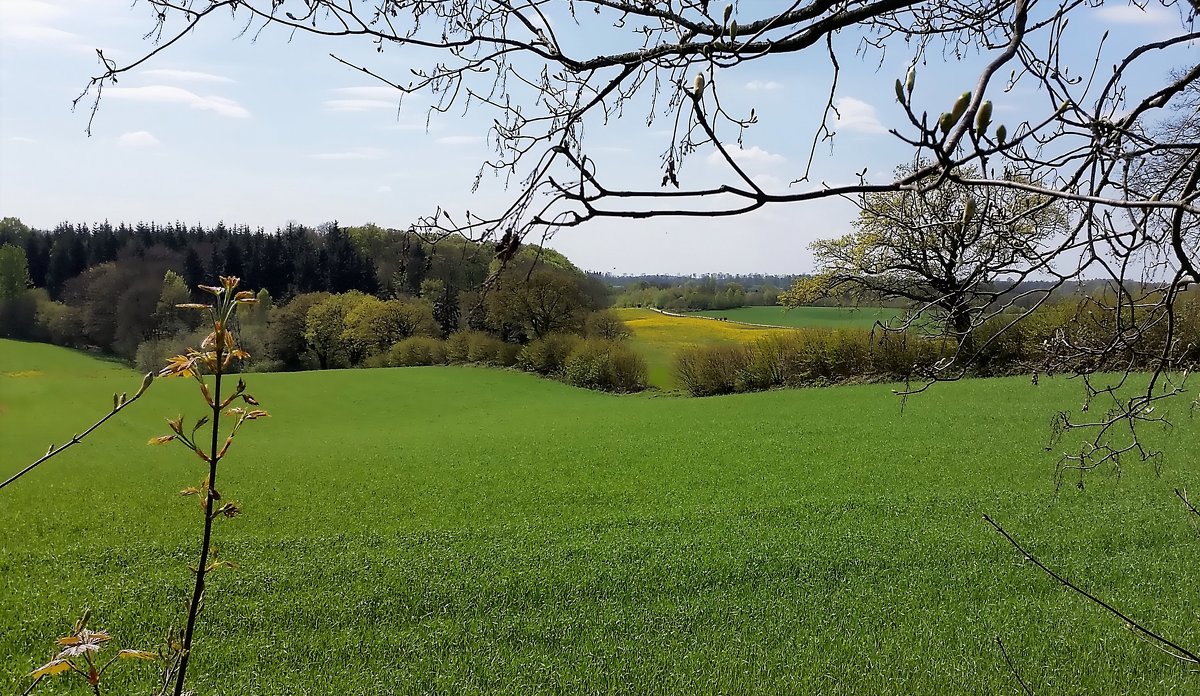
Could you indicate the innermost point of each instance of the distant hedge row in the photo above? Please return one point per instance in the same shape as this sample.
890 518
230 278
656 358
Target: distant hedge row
592 363
1083 334
803 358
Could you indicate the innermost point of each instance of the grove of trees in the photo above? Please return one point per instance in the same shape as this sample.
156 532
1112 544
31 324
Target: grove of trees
331 309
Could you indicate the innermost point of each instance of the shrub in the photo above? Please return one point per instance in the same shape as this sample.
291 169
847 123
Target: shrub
605 365
485 349
456 346
417 350
605 324
710 370
547 356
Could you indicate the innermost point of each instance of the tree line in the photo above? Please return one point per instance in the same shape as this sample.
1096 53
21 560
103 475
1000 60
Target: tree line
328 297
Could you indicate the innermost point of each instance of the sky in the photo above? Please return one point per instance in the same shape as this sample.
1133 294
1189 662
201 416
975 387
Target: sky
266 130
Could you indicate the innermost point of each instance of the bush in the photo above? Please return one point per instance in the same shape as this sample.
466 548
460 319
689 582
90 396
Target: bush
711 370
605 324
480 347
484 349
605 365
456 346
547 356
417 350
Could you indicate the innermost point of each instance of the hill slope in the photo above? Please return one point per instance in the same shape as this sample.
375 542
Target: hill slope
469 530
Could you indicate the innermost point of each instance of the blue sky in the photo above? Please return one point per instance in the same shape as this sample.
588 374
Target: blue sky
262 132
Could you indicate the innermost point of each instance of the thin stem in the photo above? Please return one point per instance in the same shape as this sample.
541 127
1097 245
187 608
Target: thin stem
76 439
1012 668
1165 644
198 589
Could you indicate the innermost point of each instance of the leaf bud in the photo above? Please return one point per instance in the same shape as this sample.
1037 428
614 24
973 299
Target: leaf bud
960 107
983 117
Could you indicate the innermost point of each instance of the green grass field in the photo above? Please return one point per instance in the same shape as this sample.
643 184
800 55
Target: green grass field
459 530
826 317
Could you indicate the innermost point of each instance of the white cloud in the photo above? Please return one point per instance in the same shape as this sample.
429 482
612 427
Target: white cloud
763 85
372 92
185 75
34 21
755 155
30 11
37 33
345 105
165 94
1132 14
138 139
356 153
460 140
857 116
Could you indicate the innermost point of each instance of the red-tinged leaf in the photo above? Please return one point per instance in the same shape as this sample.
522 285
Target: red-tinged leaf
250 400
245 297
136 655
193 305
51 668
176 425
161 440
212 289
256 414
235 411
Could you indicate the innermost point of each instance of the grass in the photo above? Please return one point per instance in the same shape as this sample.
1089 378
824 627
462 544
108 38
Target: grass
658 337
459 530
825 317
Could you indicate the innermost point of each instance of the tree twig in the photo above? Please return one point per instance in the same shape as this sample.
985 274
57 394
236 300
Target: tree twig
77 438
1012 668
1167 645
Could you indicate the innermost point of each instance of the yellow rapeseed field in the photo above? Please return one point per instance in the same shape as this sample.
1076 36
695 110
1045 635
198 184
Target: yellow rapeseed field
658 337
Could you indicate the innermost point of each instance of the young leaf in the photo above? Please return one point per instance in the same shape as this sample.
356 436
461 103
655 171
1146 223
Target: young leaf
136 655
50 669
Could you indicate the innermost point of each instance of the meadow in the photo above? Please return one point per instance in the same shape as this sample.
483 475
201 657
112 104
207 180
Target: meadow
796 317
468 530
658 337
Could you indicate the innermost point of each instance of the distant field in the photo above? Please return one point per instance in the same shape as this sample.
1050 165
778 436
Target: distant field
461 530
658 337
828 317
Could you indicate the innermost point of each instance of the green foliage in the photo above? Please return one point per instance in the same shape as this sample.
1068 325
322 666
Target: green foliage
534 303
605 365
416 351
374 325
286 326
548 355
711 370
14 272
325 328
806 357
569 538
